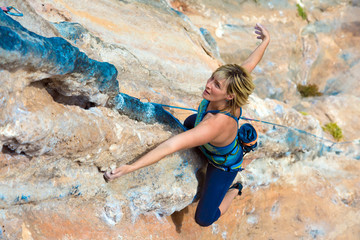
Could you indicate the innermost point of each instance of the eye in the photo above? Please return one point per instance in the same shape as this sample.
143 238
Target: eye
217 85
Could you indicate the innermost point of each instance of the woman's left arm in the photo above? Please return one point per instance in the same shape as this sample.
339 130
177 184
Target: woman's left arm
250 63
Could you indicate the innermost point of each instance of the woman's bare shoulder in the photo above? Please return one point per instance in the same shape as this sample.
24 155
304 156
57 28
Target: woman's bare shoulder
219 119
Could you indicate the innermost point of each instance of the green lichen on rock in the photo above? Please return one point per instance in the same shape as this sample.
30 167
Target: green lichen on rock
310 90
301 12
334 130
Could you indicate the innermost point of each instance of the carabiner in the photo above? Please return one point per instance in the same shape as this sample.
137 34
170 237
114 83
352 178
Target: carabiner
8 11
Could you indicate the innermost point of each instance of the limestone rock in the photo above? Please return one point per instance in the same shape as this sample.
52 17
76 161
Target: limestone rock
149 43
52 129
341 109
63 120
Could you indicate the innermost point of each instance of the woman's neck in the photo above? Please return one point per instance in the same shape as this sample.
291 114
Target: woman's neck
218 105
222 106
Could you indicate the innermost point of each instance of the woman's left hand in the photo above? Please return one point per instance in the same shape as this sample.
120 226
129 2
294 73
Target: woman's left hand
262 32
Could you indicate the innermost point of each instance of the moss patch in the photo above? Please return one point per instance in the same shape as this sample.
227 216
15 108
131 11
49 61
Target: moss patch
310 90
301 12
334 130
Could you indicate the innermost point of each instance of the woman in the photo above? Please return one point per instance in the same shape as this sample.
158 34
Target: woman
214 129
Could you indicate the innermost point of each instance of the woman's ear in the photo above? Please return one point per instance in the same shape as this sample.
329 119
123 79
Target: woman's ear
230 97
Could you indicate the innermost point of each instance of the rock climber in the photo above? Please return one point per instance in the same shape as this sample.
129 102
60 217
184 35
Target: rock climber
213 129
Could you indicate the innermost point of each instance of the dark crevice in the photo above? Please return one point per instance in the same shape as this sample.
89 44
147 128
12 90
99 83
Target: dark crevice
206 51
8 149
76 100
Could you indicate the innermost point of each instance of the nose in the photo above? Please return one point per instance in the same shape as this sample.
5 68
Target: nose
208 85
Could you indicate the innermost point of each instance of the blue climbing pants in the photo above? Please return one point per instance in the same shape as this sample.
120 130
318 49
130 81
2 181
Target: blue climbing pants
217 183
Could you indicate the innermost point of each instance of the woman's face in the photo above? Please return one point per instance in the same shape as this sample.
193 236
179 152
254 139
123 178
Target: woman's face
216 90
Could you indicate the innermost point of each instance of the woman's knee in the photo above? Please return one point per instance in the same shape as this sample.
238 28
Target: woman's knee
205 217
203 222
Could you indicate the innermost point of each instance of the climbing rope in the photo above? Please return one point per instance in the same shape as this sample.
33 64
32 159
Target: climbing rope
169 106
7 10
297 130
269 123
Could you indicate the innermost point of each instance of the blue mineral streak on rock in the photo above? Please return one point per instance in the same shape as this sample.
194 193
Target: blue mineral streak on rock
25 198
292 138
69 30
145 112
21 48
22 198
180 14
210 40
75 191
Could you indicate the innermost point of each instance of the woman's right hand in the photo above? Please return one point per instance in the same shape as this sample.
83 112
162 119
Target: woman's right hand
118 172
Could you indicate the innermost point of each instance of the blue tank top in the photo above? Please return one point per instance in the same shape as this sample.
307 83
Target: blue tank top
228 156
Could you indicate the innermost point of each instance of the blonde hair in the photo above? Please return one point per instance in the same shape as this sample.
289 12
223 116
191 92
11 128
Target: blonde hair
239 84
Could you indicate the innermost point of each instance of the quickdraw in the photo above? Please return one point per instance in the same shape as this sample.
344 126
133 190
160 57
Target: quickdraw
7 10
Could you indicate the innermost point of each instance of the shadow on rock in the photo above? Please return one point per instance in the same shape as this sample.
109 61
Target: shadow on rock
178 218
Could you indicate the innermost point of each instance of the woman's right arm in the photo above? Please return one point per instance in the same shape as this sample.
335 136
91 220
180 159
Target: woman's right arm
206 131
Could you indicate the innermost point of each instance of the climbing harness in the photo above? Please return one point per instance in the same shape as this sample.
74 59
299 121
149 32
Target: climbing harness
7 10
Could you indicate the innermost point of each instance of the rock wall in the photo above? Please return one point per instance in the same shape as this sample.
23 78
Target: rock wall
79 80
321 50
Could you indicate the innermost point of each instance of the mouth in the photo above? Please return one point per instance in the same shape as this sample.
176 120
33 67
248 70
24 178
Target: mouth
206 92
